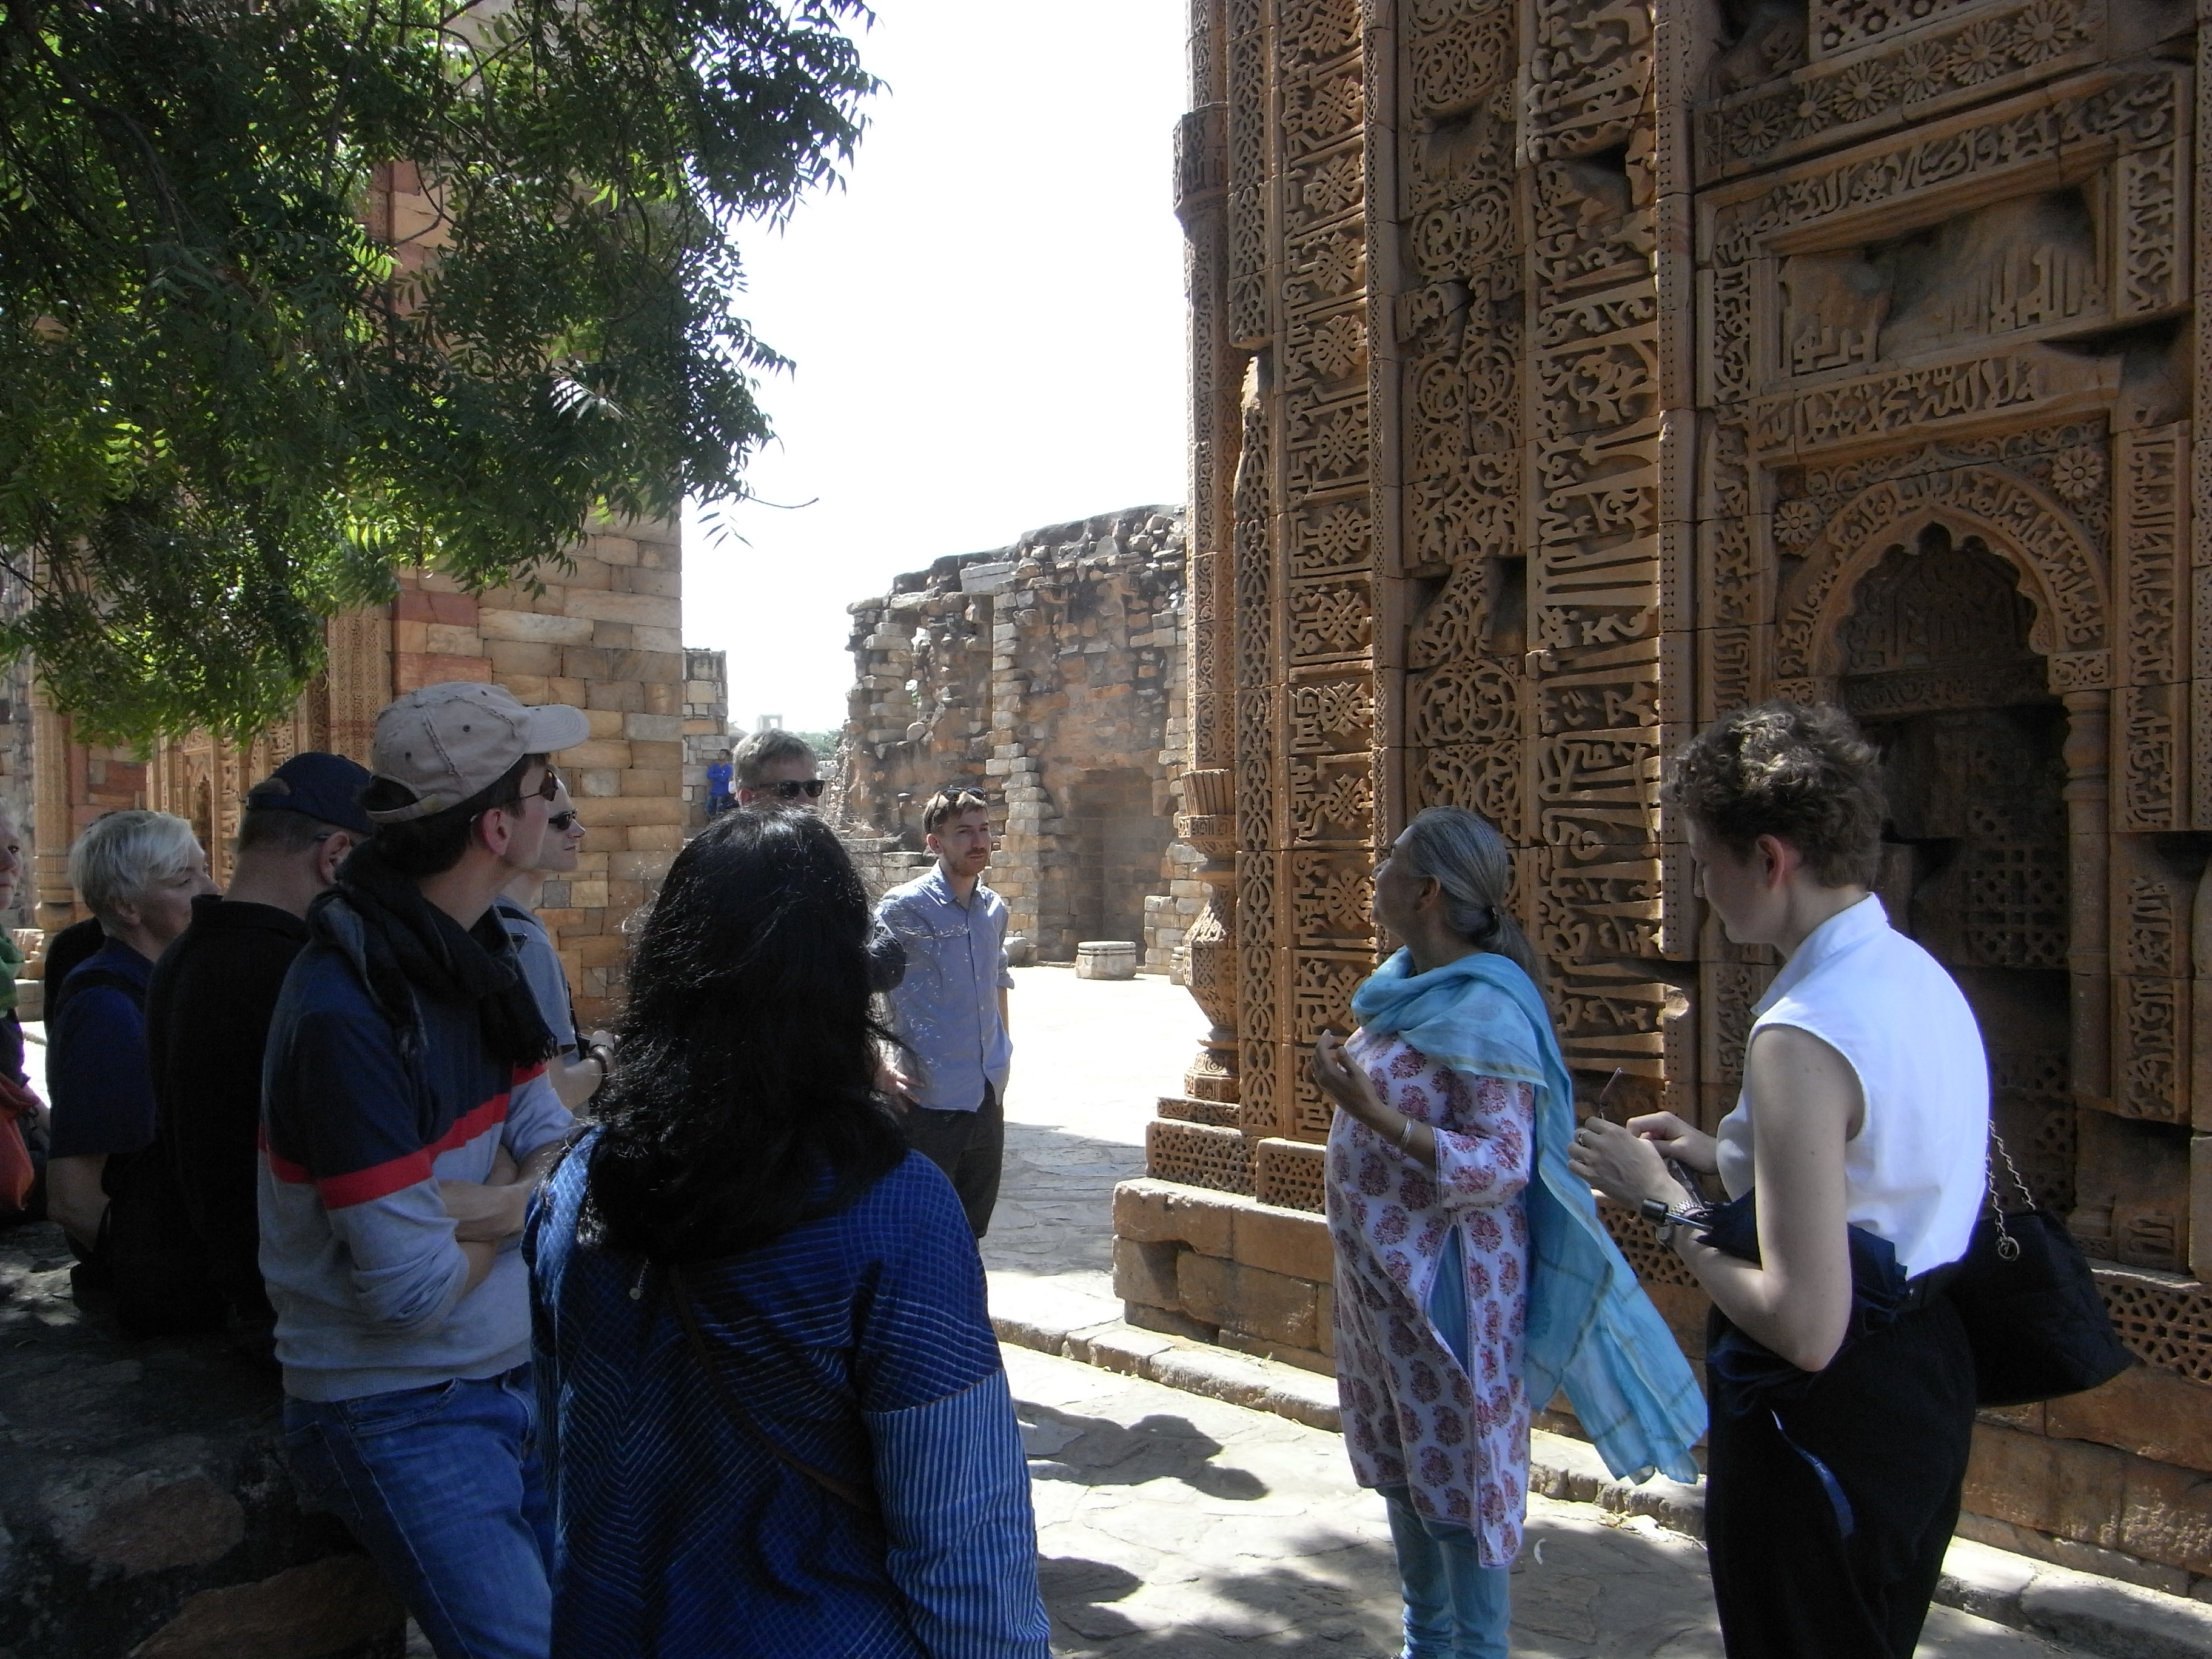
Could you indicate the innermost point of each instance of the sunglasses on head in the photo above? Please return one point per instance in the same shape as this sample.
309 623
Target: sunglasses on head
793 788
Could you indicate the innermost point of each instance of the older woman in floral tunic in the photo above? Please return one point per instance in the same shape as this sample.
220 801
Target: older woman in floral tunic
1471 1274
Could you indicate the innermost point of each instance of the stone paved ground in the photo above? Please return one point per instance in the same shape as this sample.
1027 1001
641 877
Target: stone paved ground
1174 1525
1090 1056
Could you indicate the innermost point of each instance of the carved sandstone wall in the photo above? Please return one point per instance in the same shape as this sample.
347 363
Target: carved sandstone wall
1566 373
1051 671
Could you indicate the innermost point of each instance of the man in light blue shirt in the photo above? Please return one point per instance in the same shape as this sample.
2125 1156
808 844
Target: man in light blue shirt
951 1008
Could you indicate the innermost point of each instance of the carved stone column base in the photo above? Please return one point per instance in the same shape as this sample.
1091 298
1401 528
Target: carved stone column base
1213 1075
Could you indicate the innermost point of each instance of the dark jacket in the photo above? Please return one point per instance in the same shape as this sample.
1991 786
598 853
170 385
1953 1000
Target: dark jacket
207 1026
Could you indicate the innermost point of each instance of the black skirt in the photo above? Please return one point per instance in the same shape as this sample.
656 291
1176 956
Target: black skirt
1827 1515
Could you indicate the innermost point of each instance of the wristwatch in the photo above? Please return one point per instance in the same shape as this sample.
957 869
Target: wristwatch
1664 1220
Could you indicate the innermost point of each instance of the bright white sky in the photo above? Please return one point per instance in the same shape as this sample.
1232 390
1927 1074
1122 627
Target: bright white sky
986 322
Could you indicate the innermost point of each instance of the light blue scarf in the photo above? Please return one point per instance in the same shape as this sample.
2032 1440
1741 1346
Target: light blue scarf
1591 1330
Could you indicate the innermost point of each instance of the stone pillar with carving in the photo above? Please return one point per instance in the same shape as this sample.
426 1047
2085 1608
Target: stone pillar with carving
2089 849
52 831
1207 824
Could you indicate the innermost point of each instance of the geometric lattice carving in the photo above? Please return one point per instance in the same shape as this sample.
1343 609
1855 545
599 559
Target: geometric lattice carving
1655 1264
1198 1155
1217 1114
1288 1174
2169 1326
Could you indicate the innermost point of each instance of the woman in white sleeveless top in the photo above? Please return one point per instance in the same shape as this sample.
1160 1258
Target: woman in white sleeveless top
1839 1436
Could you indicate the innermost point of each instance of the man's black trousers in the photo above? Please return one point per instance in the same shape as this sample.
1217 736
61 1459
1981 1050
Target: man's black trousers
969 1146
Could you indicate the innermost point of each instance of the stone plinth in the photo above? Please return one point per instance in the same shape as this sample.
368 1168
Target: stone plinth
1225 1269
1106 958
145 1499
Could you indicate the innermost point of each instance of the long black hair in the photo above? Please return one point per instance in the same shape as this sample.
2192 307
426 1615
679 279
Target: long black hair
746 1102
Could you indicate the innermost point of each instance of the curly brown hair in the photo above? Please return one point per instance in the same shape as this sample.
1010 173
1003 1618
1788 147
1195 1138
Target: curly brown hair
1804 775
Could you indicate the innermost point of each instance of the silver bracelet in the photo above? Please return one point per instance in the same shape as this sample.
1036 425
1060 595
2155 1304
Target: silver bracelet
1404 1134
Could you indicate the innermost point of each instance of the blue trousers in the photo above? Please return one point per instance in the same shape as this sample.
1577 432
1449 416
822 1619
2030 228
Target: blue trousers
441 1486
1455 1608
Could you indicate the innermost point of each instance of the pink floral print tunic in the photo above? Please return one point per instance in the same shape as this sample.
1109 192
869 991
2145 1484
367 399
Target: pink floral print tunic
1458 1439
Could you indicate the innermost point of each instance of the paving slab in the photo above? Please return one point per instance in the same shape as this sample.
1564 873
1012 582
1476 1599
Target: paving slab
1173 1524
1091 1057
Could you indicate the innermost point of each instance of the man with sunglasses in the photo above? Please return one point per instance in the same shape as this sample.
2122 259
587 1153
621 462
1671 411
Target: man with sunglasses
581 1063
777 768
949 1011
208 1010
407 1116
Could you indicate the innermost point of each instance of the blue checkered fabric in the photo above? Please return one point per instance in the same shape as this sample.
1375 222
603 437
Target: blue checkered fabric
862 1344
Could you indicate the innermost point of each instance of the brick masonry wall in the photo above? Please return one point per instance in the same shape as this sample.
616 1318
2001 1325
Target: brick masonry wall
607 637
706 726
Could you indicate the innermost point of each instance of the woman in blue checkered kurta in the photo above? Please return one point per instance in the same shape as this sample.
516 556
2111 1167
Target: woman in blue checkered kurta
854 1334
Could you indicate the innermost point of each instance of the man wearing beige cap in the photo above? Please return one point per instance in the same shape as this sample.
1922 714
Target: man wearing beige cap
407 1116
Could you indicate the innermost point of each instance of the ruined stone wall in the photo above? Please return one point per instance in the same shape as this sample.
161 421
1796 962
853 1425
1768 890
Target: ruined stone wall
1568 372
1050 673
706 726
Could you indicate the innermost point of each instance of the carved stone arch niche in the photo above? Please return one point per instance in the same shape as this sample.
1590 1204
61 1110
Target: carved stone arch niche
1934 654
2062 575
1967 635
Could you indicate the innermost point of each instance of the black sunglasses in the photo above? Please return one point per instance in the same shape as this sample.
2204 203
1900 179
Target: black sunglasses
560 821
547 789
793 788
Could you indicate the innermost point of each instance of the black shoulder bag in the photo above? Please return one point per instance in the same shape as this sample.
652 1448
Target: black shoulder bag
2024 1293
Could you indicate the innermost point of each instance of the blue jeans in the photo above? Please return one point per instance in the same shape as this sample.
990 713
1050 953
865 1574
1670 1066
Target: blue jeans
441 1486
1455 1608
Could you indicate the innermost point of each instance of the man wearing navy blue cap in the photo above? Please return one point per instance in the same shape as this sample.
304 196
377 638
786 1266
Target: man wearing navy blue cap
207 1012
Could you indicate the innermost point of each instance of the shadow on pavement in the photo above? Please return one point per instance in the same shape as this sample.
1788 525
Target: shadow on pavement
1600 1593
1095 1451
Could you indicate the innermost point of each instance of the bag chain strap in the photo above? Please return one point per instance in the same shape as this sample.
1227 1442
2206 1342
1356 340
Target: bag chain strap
2007 1246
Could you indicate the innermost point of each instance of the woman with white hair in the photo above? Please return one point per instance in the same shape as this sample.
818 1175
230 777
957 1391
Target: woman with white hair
138 872
1472 1275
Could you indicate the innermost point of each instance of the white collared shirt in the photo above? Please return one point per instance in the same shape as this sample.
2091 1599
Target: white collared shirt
1915 1171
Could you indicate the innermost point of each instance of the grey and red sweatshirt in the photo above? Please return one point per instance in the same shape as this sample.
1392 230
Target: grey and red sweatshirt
361 1120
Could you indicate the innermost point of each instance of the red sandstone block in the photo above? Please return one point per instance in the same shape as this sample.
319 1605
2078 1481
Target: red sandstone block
413 605
1157 1211
2145 1410
602 950
1285 1241
1146 1272
2067 1487
459 610
627 695
411 670
2166 1515
1270 1306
